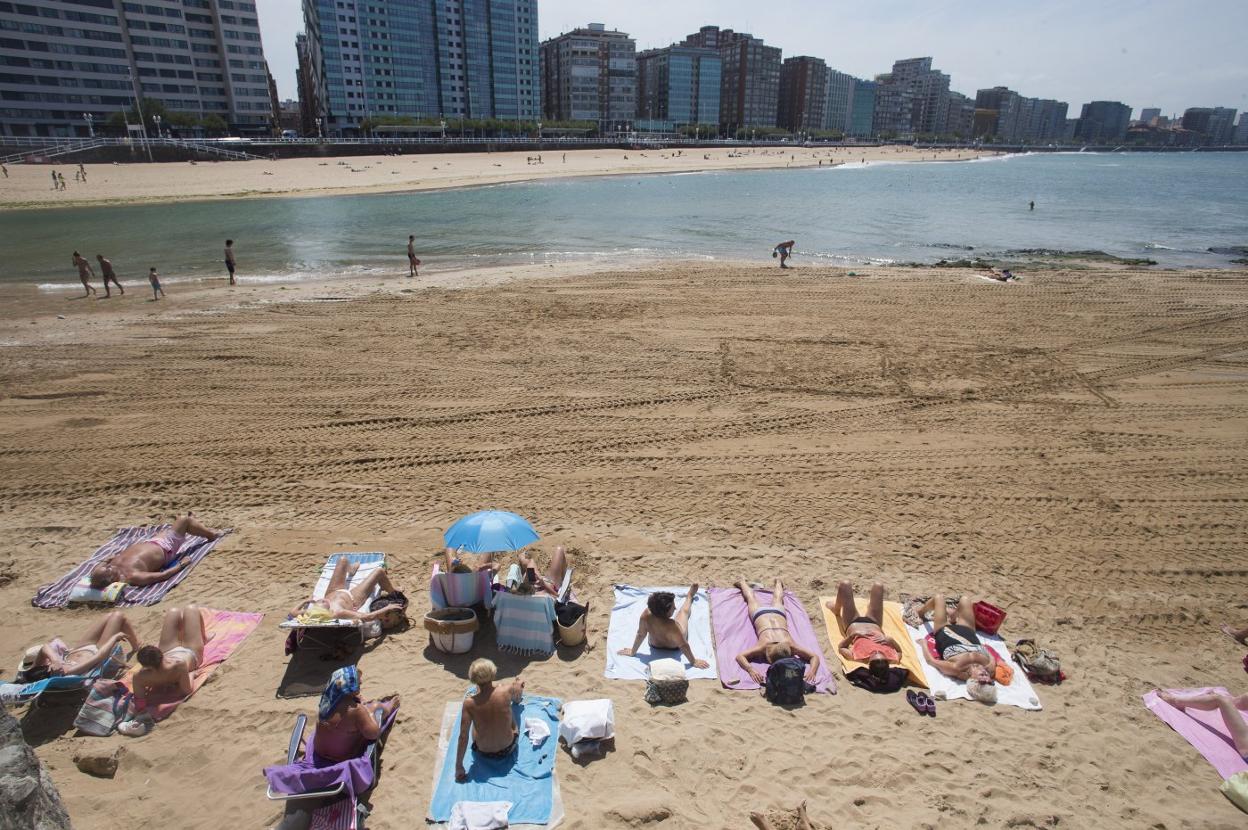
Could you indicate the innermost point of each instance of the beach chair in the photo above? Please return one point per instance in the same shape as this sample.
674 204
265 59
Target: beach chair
330 633
452 590
51 689
335 805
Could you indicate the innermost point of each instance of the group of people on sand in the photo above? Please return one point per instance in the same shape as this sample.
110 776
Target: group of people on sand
86 273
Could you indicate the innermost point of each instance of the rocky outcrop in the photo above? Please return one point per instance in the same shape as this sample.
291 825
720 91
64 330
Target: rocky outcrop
28 799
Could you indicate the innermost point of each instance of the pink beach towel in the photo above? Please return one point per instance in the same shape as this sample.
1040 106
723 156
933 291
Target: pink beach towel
460 590
1204 730
227 630
734 633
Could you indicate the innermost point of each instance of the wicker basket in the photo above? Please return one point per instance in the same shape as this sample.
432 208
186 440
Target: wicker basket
452 630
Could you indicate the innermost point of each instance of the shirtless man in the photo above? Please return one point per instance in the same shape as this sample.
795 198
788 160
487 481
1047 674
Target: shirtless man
153 560
412 262
664 632
771 624
343 602
865 641
179 652
962 656
229 258
106 270
56 658
784 250
489 715
85 273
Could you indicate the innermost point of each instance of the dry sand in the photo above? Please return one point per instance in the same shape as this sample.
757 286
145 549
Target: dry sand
30 185
1073 447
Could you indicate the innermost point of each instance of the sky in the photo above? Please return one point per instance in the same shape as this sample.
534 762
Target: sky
1145 53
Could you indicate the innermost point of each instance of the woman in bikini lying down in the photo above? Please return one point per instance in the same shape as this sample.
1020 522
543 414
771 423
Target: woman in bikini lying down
343 603
55 658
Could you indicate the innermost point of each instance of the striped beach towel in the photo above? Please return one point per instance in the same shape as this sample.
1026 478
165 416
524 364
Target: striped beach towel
195 548
227 629
525 624
460 590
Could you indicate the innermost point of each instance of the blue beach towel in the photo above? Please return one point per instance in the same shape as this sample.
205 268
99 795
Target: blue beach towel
526 779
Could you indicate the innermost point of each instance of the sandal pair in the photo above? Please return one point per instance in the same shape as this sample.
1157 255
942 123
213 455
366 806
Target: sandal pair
922 703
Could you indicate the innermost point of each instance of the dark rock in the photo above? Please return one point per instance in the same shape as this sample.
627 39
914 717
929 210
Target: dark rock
97 761
28 799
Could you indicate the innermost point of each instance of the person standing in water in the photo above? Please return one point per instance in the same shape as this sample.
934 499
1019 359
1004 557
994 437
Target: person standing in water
106 271
229 258
1032 205
85 272
154 279
412 262
784 250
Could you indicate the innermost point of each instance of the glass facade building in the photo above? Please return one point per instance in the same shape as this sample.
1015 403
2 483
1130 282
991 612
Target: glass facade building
678 86
862 116
749 92
63 60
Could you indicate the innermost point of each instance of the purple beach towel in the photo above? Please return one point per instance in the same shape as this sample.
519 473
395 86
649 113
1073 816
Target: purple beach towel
734 633
309 773
1205 730
195 548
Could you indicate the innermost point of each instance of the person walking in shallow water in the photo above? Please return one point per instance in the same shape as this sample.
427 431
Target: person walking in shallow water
85 272
784 250
229 258
154 279
1031 205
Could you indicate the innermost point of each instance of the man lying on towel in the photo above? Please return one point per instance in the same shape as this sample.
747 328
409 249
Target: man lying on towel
152 560
344 603
962 656
771 624
488 714
665 632
865 641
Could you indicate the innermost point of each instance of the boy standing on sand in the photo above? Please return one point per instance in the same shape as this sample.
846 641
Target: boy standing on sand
229 258
412 262
157 291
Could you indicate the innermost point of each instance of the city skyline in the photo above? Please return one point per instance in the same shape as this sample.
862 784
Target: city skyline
1147 55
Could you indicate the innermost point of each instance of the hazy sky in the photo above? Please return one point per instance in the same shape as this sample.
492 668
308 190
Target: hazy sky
1145 53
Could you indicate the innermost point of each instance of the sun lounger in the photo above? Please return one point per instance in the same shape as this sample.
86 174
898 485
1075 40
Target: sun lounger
194 549
894 626
622 629
16 694
1019 693
227 630
325 794
734 633
526 779
452 590
1204 730
305 631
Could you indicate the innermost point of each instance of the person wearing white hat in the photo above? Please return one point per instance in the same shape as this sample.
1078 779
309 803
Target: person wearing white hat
55 657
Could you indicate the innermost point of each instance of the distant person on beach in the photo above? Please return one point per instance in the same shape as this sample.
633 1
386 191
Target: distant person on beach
487 715
82 173
962 655
229 258
4 170
57 658
60 177
1229 706
178 653
412 262
85 273
154 279
784 250
55 184
865 640
662 629
106 271
1032 205
771 625
152 560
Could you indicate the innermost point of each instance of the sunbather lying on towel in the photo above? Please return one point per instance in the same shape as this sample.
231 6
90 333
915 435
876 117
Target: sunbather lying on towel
1228 705
344 723
865 641
962 656
457 562
152 560
488 714
771 624
549 583
343 603
180 650
55 658
664 631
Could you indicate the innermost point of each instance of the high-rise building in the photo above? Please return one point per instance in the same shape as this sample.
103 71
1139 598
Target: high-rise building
1103 122
1241 132
862 113
840 106
455 59
309 116
67 59
961 120
677 86
749 94
1216 124
803 94
912 99
1003 114
1149 114
590 74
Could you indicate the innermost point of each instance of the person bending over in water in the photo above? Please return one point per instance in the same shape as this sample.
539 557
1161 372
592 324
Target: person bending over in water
488 714
152 560
343 603
664 631
1229 706
345 724
771 624
178 653
962 656
784 250
865 640
54 658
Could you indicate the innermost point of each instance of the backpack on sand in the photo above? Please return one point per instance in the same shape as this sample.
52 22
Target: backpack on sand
785 683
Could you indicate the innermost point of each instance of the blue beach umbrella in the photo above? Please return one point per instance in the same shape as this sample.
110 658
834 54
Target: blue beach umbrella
490 531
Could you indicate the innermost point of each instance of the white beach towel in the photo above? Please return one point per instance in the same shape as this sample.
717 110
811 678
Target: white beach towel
479 815
629 603
1019 693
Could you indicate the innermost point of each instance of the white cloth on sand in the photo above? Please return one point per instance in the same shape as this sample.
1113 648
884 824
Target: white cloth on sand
1019 693
537 730
587 720
630 601
479 815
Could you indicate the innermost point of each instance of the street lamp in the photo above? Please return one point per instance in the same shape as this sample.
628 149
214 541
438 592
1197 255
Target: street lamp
89 118
539 135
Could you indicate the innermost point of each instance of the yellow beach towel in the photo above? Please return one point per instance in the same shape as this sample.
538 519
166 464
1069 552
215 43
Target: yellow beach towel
893 627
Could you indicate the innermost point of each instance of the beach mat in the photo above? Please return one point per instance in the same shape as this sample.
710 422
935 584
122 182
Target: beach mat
1204 730
195 548
734 633
894 626
626 614
1019 693
527 779
227 629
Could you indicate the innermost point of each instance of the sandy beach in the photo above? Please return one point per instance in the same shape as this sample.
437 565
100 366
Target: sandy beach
1071 447
29 185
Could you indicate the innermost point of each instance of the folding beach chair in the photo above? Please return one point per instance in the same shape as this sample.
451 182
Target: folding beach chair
460 590
329 633
53 689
